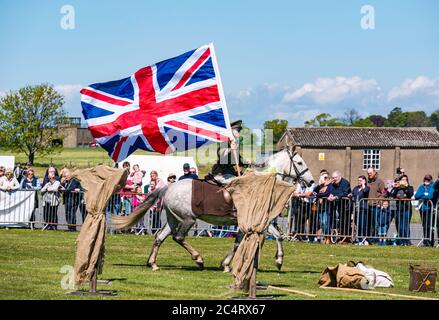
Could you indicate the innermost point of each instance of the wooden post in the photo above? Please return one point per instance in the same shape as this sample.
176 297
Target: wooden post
252 285
94 281
252 281
235 155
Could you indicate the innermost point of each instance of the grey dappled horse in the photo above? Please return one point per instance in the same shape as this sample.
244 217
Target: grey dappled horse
180 217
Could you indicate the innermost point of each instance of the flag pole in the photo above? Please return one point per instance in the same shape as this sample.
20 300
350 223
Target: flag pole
235 155
223 100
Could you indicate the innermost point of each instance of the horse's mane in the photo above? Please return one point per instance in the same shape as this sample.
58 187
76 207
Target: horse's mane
262 163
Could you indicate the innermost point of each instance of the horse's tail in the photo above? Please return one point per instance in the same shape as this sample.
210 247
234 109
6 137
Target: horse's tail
124 222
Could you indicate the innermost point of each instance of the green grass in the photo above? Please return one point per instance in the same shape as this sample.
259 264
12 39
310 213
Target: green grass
31 262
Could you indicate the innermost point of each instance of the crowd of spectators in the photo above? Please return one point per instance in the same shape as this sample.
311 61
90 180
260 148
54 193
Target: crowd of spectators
318 210
134 193
59 188
330 207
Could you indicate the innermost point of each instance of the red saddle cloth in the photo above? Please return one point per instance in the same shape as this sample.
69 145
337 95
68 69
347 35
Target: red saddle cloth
208 199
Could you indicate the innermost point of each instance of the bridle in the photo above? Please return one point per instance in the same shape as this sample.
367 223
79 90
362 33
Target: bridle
299 174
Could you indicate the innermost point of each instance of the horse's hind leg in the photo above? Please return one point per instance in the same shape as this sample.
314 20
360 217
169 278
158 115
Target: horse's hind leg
279 253
160 237
179 237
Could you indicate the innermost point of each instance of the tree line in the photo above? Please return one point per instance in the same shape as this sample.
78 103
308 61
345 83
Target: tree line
396 118
351 118
30 119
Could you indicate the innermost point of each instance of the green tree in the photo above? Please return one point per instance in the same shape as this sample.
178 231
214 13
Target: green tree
248 137
278 126
417 119
396 118
323 120
29 119
377 120
434 118
350 117
363 123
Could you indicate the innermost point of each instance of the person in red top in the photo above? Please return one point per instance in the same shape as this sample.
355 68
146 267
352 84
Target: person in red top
126 192
138 197
155 209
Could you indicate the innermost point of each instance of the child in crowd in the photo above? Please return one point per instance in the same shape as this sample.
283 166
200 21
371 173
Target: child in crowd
138 197
381 222
136 175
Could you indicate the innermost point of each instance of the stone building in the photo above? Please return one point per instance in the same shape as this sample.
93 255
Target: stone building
353 150
75 135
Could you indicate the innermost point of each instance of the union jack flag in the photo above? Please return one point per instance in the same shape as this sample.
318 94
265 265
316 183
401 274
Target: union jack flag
173 105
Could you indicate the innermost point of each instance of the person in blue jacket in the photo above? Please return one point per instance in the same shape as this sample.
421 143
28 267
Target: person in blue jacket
30 182
425 193
187 173
322 191
360 192
341 205
72 191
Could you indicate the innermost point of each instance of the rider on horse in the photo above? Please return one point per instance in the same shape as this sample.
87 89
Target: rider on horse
226 163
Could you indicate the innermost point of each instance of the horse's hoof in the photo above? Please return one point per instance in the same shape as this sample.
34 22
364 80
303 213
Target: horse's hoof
226 269
155 268
279 264
199 261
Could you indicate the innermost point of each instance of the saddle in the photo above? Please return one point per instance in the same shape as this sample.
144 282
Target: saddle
209 197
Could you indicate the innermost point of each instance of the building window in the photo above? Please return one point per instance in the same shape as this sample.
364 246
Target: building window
371 158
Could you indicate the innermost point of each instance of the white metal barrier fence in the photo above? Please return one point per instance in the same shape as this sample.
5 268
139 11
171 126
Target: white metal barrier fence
66 211
385 221
377 221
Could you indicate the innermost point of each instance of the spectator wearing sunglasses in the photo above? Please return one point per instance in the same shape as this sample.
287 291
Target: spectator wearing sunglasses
172 178
8 182
187 173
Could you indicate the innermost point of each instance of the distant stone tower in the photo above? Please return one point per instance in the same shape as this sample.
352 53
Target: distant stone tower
74 134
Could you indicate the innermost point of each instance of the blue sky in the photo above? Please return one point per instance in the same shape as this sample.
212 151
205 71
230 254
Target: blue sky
284 59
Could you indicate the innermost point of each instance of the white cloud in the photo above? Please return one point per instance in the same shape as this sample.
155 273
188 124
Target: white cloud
69 90
72 98
412 87
332 90
244 94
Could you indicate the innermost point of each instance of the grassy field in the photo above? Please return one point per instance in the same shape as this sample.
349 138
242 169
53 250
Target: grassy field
31 263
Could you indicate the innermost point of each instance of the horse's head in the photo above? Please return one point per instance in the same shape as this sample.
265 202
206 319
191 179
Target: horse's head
296 169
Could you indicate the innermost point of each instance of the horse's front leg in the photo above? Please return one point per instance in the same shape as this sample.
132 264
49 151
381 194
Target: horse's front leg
225 263
279 253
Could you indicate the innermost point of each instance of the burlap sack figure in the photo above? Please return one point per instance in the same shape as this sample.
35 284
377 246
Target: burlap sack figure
258 197
343 276
99 183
